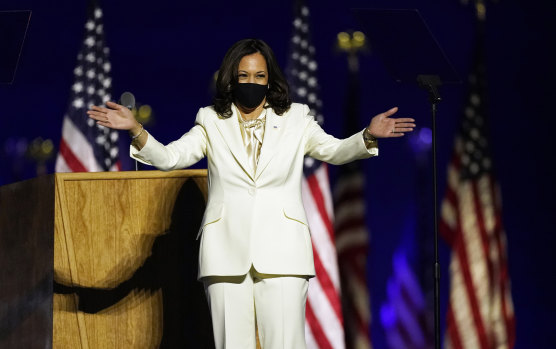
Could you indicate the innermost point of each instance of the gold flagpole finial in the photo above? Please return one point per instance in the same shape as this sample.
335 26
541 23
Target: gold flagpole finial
481 9
351 42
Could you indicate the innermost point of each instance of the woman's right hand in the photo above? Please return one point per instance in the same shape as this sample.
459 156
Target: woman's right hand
115 116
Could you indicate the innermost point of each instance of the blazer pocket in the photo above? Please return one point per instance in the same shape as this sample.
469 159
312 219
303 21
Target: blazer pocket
296 213
213 214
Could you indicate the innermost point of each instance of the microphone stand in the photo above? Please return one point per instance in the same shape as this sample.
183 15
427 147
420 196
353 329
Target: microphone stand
430 83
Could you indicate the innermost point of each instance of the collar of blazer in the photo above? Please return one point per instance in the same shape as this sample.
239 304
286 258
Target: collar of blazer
274 129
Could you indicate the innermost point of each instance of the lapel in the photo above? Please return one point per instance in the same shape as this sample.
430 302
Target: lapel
274 130
229 129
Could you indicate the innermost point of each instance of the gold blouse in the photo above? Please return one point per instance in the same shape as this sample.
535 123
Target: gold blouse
252 132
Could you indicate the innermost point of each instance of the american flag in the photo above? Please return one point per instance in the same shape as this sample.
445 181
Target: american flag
324 323
404 314
86 146
352 236
480 311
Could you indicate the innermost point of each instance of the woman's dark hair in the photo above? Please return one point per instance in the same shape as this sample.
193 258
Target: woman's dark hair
278 95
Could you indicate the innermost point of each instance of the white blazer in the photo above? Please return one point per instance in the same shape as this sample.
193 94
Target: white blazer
254 218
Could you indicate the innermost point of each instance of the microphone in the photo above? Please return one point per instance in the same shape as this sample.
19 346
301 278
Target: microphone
127 99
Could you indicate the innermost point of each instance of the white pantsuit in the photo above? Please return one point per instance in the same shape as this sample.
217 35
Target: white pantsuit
254 219
279 302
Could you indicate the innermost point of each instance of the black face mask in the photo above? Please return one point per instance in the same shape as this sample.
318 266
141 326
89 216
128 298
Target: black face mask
249 95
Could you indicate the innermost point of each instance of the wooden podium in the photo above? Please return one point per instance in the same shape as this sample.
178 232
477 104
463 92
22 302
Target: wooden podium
103 260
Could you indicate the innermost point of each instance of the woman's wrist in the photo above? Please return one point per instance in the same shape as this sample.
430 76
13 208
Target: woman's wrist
368 136
136 130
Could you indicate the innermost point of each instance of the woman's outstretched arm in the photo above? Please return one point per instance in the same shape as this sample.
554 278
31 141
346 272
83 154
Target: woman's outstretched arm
120 118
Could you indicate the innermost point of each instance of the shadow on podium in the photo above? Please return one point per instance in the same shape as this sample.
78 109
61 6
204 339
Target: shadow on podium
171 268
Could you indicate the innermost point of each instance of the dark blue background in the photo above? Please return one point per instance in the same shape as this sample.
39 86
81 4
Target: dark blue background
166 53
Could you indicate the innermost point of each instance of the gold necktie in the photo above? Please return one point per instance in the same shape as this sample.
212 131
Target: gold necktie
253 133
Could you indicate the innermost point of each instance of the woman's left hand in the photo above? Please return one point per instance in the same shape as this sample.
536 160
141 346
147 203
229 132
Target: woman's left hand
383 126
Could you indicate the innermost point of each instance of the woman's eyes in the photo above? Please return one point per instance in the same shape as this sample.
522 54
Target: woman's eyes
244 76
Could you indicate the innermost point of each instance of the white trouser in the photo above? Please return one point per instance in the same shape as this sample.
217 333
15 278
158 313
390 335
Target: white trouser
277 302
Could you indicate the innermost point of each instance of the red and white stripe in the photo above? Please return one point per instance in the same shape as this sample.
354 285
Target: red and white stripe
76 153
352 243
480 313
324 322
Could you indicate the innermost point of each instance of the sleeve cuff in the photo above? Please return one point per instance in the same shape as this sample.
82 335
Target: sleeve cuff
371 143
143 154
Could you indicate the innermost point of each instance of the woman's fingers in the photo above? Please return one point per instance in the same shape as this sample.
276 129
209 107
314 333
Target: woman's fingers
102 123
404 125
404 120
100 117
114 105
97 115
100 109
391 111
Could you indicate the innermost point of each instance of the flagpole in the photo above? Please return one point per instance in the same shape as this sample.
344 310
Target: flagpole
349 193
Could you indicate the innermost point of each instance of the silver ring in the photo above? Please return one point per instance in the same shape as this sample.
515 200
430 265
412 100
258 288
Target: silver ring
394 130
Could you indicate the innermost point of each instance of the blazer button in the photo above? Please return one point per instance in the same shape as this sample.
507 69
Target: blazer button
251 191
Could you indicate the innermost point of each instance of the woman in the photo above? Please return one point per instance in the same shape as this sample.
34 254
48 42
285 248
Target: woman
255 255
